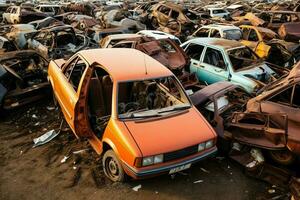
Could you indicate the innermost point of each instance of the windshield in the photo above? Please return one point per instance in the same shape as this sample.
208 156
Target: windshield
150 98
241 58
233 34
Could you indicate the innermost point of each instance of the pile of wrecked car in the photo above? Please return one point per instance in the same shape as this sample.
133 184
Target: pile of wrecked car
129 75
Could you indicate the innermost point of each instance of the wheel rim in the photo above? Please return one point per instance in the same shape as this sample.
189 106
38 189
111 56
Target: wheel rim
112 168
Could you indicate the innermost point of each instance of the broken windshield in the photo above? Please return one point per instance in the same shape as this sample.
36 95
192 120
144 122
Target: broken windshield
150 98
233 34
241 58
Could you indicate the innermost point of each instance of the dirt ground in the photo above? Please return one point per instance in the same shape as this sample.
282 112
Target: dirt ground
37 173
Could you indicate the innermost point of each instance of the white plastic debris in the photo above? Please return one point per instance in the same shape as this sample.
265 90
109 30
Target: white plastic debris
74 167
34 116
65 158
271 191
257 155
199 181
204 170
43 139
136 188
79 151
50 108
237 146
36 124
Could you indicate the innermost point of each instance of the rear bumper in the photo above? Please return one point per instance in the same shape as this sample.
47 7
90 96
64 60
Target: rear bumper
140 174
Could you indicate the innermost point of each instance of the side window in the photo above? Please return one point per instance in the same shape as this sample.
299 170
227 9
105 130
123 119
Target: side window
194 51
75 71
296 96
283 97
8 10
215 33
245 33
253 36
204 32
44 38
174 14
215 58
164 10
123 45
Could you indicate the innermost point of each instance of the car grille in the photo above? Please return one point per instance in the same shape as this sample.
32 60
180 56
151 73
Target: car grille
180 153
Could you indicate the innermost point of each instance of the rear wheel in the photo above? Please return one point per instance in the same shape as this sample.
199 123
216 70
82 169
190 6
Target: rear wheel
283 157
112 167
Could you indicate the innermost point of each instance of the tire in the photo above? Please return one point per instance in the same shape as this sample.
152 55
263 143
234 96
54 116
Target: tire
282 157
112 167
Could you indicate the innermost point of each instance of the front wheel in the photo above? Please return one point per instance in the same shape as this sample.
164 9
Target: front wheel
283 157
112 167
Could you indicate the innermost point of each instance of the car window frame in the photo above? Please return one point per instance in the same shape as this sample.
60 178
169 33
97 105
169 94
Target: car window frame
222 53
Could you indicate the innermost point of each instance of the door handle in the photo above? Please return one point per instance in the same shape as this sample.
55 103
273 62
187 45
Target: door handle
194 63
218 70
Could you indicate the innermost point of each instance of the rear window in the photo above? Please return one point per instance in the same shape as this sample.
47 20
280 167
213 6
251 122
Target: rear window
218 11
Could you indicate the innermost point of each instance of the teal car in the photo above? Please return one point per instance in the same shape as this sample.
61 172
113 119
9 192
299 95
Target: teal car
215 59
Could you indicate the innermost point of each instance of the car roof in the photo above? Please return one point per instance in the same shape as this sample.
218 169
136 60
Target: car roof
260 29
217 42
123 36
125 64
221 26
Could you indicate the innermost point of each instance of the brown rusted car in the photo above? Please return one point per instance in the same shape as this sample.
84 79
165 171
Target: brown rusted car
274 19
166 52
272 119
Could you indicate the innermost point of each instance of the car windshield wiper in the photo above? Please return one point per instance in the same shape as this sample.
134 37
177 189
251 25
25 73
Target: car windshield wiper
140 114
174 108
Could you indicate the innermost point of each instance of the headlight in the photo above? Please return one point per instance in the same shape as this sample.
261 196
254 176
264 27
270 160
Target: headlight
153 160
148 161
201 146
209 144
158 159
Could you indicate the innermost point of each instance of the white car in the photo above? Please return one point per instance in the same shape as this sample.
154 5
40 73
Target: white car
218 12
11 15
227 31
51 10
159 35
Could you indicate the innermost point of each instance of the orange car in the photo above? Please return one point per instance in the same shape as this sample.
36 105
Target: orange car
121 101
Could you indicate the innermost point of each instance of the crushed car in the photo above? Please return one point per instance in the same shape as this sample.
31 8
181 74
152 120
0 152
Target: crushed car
125 113
23 78
272 119
57 41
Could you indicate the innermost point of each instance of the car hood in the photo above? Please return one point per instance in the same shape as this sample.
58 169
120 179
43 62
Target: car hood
156 136
260 72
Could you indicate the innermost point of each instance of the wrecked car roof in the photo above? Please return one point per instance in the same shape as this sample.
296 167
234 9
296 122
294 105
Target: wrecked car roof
211 90
126 64
218 42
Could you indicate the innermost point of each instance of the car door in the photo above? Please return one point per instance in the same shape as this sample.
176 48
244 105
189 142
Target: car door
14 17
213 66
6 14
194 51
66 87
287 101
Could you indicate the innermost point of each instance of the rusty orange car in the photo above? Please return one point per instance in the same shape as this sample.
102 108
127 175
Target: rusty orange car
121 101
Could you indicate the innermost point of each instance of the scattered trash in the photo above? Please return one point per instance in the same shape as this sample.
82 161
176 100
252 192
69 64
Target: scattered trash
34 116
199 181
50 108
74 167
80 151
182 173
204 170
136 188
64 159
45 138
156 192
36 124
271 191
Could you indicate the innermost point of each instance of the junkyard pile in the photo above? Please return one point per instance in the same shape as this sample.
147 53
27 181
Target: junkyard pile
238 61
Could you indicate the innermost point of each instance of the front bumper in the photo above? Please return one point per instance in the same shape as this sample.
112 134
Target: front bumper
139 174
